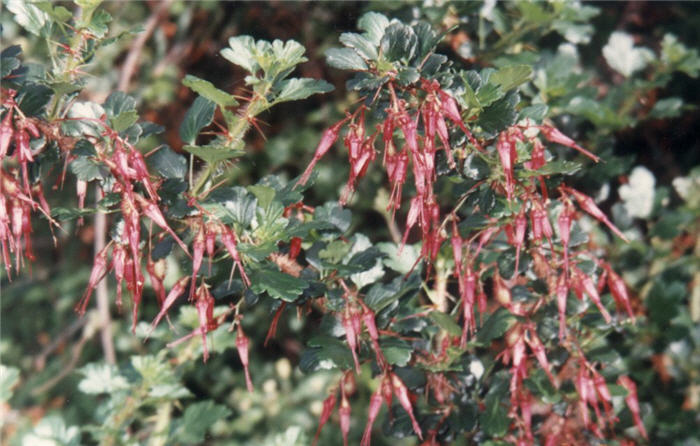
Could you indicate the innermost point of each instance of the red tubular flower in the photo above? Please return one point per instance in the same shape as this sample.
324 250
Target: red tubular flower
604 396
6 133
414 212
554 135
351 335
618 289
198 246
508 157
501 291
537 157
368 319
387 391
99 269
450 109
375 404
294 247
588 205
538 349
520 228
156 280
153 212
273 325
328 406
141 171
23 151
5 235
590 289
485 236
329 137
444 136
564 223
119 265
229 240
468 303
344 412
562 293
401 393
242 343
210 234
205 310
410 131
633 403
81 191
176 291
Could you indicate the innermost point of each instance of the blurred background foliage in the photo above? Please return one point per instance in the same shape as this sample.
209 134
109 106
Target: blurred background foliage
631 97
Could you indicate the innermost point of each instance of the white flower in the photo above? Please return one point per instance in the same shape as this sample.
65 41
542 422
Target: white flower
638 194
623 57
476 368
486 10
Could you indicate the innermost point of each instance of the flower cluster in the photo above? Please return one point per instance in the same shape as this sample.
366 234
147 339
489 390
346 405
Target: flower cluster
423 117
20 196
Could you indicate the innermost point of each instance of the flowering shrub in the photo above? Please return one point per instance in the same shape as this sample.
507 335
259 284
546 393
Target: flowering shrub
482 318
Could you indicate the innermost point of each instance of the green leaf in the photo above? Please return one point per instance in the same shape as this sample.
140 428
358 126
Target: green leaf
427 39
495 326
373 24
400 262
9 376
264 194
52 430
198 419
67 214
239 205
98 23
118 103
207 90
213 154
285 56
197 117
408 76
101 378
333 355
345 59
87 170
8 63
381 296
396 351
278 285
35 99
494 419
325 353
488 94
667 108
399 42
296 89
446 322
678 56
241 53
58 13
363 45
500 115
333 213
168 164
475 168
124 120
536 112
511 76
28 16
559 167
